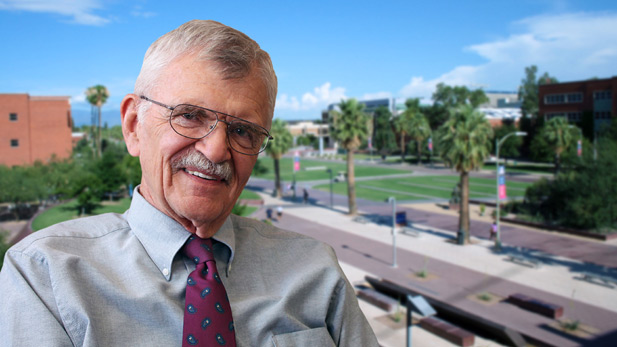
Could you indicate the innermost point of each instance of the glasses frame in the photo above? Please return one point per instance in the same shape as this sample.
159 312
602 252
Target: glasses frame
267 139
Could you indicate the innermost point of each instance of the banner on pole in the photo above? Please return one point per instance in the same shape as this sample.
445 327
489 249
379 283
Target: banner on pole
502 182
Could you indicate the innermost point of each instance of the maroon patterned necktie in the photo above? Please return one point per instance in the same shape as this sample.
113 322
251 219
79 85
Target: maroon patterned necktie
207 315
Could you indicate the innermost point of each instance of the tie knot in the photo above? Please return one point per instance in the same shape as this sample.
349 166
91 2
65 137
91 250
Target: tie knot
198 249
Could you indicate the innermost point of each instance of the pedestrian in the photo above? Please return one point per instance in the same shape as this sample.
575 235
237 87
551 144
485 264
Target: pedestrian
279 212
269 213
306 195
493 234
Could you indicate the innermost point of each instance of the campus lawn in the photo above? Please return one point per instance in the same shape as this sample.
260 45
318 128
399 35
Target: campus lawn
424 188
319 170
68 210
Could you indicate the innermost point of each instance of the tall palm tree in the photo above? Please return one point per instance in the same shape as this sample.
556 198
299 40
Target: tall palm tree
420 131
402 124
276 148
560 136
465 143
349 128
97 96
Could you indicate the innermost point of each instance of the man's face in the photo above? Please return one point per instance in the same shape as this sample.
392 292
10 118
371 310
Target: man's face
196 197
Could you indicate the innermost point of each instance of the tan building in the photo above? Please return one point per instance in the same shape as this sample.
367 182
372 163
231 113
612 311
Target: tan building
34 128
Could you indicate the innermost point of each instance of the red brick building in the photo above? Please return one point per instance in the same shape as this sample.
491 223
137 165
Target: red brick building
597 98
34 128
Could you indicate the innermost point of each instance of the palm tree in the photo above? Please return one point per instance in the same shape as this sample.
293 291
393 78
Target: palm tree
465 143
97 96
420 131
349 128
560 136
276 148
402 124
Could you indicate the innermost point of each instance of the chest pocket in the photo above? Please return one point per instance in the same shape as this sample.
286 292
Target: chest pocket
305 338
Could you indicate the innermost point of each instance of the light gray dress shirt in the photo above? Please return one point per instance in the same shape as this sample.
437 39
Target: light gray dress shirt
119 280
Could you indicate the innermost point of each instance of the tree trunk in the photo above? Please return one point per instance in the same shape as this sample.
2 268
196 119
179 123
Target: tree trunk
464 207
557 164
351 184
419 145
277 178
98 135
402 148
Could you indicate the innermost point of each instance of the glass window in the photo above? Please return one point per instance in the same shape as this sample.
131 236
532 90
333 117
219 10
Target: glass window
13 117
14 143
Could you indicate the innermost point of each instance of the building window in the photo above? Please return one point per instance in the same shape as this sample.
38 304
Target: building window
14 143
569 98
13 117
602 115
602 95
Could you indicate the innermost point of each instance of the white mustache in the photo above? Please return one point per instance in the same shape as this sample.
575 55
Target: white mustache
201 163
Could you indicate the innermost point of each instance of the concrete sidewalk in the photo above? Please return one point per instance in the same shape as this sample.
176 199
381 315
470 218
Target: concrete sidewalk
456 275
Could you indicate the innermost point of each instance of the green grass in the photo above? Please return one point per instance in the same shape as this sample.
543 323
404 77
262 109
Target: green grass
249 195
423 188
68 211
320 172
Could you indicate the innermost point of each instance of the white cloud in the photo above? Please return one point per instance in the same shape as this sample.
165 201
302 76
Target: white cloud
317 100
570 47
81 11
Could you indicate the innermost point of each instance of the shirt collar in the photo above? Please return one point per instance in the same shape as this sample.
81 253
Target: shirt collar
162 237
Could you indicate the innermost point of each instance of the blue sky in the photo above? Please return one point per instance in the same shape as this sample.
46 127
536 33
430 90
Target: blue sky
322 51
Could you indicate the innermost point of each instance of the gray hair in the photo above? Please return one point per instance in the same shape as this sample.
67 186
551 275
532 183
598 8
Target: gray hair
234 54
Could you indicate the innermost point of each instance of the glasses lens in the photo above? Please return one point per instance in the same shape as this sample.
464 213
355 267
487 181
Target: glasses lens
246 137
192 121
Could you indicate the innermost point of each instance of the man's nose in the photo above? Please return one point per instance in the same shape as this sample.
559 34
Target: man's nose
215 146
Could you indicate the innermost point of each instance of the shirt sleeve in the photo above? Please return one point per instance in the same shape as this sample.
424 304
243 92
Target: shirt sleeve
346 321
28 312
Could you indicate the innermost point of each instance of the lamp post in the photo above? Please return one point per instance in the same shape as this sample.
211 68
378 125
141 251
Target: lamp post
329 170
393 201
498 205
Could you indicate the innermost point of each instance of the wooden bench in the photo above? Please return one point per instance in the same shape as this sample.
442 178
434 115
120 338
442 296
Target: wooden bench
537 306
447 331
525 260
409 231
378 299
599 279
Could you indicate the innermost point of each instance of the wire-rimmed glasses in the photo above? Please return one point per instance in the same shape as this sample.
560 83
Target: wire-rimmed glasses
196 122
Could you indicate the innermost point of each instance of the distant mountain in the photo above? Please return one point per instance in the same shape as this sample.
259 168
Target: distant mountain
83 117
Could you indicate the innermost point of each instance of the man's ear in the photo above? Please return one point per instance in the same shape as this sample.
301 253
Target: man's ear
130 123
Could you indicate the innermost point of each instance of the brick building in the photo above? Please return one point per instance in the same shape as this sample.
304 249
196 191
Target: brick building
575 100
34 128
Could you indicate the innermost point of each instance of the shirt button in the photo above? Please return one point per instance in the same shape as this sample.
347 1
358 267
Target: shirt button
165 271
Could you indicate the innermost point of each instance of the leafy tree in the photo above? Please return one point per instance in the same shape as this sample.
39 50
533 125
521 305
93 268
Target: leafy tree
455 96
560 136
349 128
276 148
383 137
510 147
420 131
404 123
465 143
97 96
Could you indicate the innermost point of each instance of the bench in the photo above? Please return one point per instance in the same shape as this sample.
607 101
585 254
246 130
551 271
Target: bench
409 231
378 299
599 279
525 260
447 331
537 306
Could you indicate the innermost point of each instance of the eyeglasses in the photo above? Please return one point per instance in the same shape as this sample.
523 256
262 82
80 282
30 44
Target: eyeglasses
195 122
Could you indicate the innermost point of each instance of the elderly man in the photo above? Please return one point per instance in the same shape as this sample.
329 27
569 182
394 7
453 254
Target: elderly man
177 267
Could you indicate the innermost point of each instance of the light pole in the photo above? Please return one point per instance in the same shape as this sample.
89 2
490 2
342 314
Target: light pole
393 201
497 204
329 170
